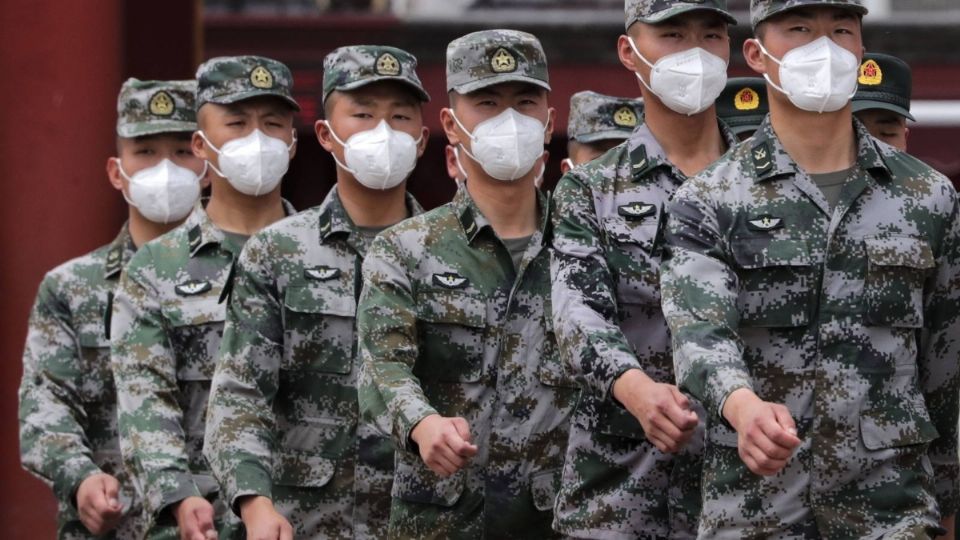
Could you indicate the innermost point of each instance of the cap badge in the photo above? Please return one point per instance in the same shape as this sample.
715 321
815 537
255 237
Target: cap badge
387 65
261 77
625 117
503 61
161 104
870 73
746 100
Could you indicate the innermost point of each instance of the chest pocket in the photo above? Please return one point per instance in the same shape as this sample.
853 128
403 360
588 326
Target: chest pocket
96 381
451 325
634 258
896 270
777 281
319 328
196 328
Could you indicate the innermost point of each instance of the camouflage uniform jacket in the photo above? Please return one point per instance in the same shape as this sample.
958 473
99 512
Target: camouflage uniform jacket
448 326
608 228
166 328
849 317
283 408
68 415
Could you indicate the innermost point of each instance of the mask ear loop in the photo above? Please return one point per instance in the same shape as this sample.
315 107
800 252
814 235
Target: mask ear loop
343 145
215 149
127 178
465 151
636 51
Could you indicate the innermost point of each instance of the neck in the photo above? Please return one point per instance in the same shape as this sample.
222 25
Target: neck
238 213
818 143
510 207
691 143
142 230
371 207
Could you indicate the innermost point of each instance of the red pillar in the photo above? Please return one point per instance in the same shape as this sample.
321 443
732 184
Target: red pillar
61 67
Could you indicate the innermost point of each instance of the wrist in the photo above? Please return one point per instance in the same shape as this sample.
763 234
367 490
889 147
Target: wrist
422 426
631 378
735 403
254 503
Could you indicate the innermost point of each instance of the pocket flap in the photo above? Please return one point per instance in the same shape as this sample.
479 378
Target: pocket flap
332 300
544 487
899 251
452 307
641 233
302 470
196 310
93 339
896 427
762 252
415 482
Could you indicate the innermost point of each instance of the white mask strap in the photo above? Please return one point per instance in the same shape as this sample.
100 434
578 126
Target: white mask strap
456 155
644 60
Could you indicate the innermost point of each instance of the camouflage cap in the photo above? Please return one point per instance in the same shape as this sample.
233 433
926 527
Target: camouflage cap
490 57
885 82
596 117
349 68
229 79
656 11
743 104
761 10
152 107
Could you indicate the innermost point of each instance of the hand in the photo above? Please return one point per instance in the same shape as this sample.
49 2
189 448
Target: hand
766 433
262 520
194 517
663 411
98 503
445 443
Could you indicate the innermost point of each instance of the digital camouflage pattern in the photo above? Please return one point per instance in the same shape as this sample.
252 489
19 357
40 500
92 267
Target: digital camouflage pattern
608 239
166 329
596 117
850 318
761 10
229 79
448 326
657 11
884 82
490 57
349 68
68 405
283 420
153 107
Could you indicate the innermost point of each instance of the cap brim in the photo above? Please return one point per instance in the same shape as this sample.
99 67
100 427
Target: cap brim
667 14
861 10
499 79
420 92
243 96
867 104
608 135
157 128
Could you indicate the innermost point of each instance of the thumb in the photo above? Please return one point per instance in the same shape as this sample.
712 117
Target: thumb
678 396
783 418
463 429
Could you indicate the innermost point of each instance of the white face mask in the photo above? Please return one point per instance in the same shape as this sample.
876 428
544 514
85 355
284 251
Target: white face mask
820 76
570 164
506 146
163 193
379 158
687 82
254 164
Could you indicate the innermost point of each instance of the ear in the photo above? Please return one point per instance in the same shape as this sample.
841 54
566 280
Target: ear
450 160
754 56
626 54
324 137
113 174
906 134
551 123
424 139
199 147
294 143
449 126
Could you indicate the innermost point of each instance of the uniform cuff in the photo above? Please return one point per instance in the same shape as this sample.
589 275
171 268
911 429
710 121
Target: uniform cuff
250 480
168 490
410 421
71 474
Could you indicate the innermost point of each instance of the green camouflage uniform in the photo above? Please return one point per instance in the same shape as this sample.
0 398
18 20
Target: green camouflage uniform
166 328
849 317
68 427
283 419
447 325
595 117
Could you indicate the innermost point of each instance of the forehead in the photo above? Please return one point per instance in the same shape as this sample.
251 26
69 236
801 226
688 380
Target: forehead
815 12
388 92
510 89
253 106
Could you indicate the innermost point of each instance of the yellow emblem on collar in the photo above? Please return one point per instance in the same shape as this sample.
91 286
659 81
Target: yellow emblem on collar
387 65
746 100
161 104
625 117
870 73
503 61
261 77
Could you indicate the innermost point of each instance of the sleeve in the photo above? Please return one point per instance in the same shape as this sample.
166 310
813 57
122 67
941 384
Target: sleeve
149 417
699 298
939 372
53 445
390 395
584 292
239 441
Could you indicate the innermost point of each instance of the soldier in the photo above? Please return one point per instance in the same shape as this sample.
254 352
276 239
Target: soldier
882 101
68 427
620 478
168 315
818 325
743 105
282 432
459 363
597 124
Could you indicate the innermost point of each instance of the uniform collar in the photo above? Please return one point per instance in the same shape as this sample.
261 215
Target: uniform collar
335 220
646 154
472 221
770 160
201 231
119 252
